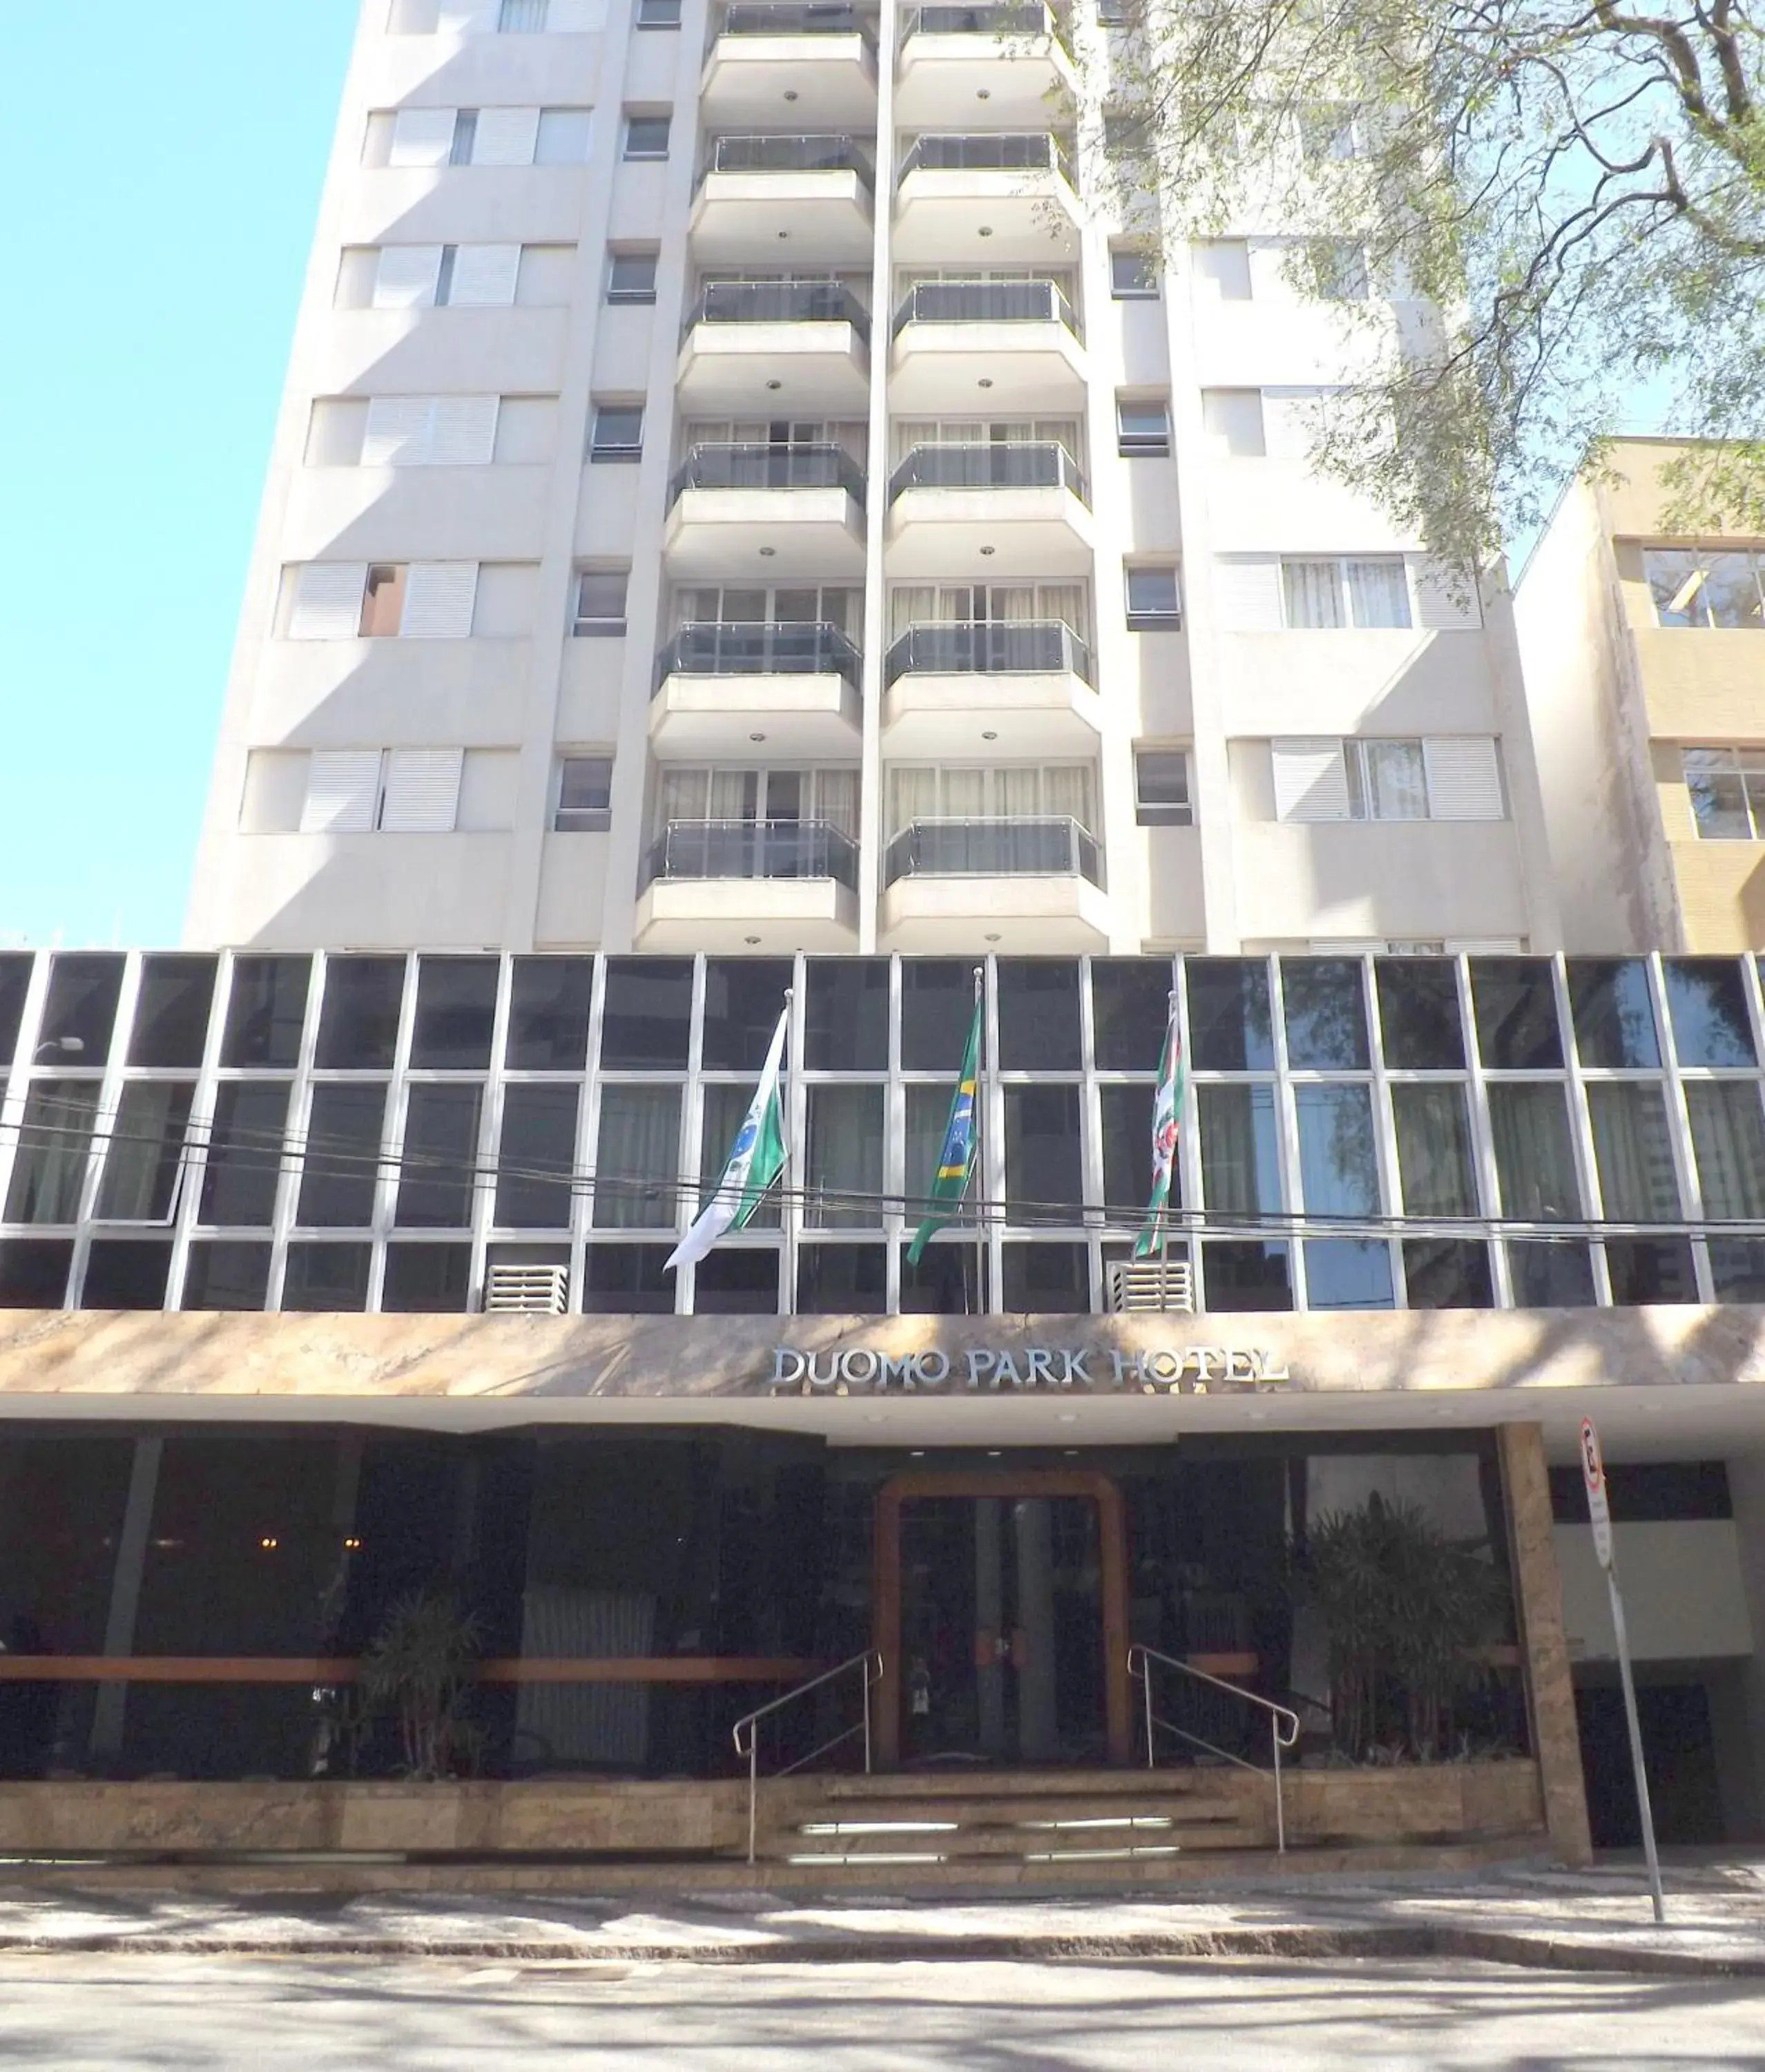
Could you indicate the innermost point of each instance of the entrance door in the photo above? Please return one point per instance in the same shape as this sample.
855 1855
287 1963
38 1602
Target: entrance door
1001 1621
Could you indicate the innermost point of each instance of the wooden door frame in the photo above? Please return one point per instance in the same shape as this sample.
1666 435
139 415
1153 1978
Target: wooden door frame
1112 1544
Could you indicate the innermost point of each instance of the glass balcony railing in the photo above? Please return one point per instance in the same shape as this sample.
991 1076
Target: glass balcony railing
1034 646
768 468
726 648
779 302
788 154
1036 152
987 302
752 848
993 849
998 20
794 18
1002 464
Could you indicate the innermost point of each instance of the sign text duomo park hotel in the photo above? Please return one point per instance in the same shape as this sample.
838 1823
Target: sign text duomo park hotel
1171 1370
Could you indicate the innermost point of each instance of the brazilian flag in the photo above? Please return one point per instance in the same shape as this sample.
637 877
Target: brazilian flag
956 1158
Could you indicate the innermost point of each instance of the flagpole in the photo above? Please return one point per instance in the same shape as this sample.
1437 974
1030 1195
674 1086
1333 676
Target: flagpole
978 1253
1164 1206
790 1213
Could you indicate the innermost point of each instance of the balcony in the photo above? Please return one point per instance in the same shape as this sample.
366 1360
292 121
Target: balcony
719 884
809 338
757 194
1033 884
717 685
988 511
766 55
1007 199
732 508
1016 692
1022 338
1018 58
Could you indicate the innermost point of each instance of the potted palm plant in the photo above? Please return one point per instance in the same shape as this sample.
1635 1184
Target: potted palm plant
418 1667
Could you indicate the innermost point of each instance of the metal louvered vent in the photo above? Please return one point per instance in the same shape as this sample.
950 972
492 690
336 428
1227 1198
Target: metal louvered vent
527 1291
1151 1284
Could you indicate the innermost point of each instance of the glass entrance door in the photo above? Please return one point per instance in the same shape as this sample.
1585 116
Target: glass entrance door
1002 1647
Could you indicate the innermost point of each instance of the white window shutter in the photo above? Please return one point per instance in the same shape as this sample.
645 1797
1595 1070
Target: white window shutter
1464 778
469 18
1249 590
422 790
407 276
465 431
1446 600
328 601
484 277
1487 946
1287 418
423 136
1311 780
438 600
570 18
343 786
506 137
401 432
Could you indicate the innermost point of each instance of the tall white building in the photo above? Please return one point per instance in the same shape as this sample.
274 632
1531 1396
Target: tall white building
738 487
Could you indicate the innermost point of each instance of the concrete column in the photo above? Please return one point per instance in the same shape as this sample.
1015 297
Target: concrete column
1550 1696
1746 1492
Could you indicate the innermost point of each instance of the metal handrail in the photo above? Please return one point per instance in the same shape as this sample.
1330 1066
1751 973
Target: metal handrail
1026 151
985 301
872 1663
991 464
991 18
767 154
826 300
1283 1723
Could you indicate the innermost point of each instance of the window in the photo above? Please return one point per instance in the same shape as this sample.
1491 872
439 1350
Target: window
456 1012
1371 591
1726 787
548 1014
522 18
537 1157
1695 587
1115 14
419 277
146 1153
1233 421
341 1166
1133 275
54 1138
1161 788
266 1011
358 1024
1143 428
405 790
600 604
618 432
1225 263
1330 130
1433 780
631 277
439 1169
430 431
245 1154
1155 602
1126 132
658 13
1339 273
637 1163
646 136
584 796
383 601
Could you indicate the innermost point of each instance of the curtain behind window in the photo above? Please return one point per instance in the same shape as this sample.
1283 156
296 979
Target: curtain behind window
1240 1173
1339 1174
1633 1152
1728 1135
1434 1151
53 1142
1396 782
1379 593
1313 590
637 1158
844 1156
140 1174
1533 1158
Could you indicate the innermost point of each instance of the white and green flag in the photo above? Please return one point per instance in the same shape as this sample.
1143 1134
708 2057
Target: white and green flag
756 1159
1167 1112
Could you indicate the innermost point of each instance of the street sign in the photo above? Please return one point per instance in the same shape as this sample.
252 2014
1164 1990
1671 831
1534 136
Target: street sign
1593 1472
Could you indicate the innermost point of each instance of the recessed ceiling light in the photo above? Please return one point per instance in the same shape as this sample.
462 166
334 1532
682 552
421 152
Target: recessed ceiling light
986 553
986 381
790 93
992 938
993 1453
750 940
988 734
986 230
775 385
756 737
1067 1417
766 553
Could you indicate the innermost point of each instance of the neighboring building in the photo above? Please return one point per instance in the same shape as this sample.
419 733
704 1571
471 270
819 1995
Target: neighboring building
1649 713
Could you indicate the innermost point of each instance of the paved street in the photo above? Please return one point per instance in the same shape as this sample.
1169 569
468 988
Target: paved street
112 2014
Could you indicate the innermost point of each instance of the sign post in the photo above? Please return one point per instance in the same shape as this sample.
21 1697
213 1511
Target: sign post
1593 1469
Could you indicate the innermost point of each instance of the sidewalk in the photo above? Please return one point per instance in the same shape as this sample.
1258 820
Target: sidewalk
1528 1914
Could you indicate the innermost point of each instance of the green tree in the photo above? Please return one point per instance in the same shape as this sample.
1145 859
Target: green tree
1557 200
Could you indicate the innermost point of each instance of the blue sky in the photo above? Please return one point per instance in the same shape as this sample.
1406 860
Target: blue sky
178 156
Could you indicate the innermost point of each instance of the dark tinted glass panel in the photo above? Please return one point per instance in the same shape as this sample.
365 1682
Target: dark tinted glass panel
422 1277
1043 1167
846 1018
843 1159
1647 1492
342 1166
122 1273
265 1010
1516 1005
171 1016
1053 1279
456 1012
1038 1015
621 1279
1651 1269
228 1274
539 1141
61 1507
1706 999
1229 1029
738 1280
33 1272
841 1279
1535 1160
1614 1017
936 1013
1448 1274
1550 1273
1435 1161
1240 1273
358 1023
49 1168
244 1152
646 1023
950 1280
548 1013
80 1011
637 1158
436 1171
147 1152
743 998
1241 1164
1326 1014
326 1276
1127 1153
1347 1273
1419 1014
1737 1268
14 982
1130 1005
